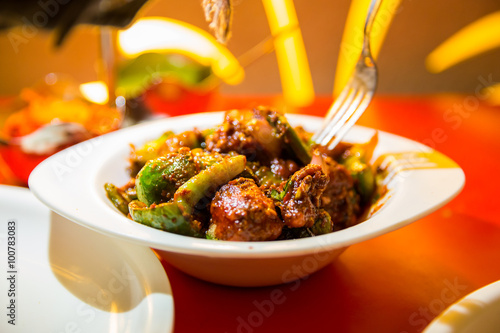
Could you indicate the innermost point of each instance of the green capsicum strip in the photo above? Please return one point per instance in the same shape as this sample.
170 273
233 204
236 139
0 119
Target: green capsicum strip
165 216
160 178
116 198
176 216
162 175
298 147
364 176
192 191
356 162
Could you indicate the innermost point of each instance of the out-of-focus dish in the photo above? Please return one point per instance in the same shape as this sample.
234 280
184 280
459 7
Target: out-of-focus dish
49 117
53 273
165 84
477 312
419 180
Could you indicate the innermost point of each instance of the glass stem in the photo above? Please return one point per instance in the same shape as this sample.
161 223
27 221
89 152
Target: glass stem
107 61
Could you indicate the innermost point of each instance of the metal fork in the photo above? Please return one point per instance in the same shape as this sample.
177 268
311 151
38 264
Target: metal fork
356 95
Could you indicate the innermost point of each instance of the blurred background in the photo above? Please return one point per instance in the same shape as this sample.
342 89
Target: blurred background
418 27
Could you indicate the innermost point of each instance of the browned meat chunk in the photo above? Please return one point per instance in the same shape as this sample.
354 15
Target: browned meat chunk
283 168
241 212
246 132
340 199
301 203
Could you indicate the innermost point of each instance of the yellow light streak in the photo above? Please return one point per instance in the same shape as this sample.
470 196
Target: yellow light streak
352 38
293 66
160 34
470 41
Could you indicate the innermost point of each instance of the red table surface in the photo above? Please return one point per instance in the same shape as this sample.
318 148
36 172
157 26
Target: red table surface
394 283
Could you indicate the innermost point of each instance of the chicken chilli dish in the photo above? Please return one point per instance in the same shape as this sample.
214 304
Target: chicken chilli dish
252 178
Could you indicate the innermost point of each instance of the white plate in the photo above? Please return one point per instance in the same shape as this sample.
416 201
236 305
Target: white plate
71 183
71 279
477 312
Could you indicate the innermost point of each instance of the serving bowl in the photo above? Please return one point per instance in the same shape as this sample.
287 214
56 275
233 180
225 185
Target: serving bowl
419 180
476 312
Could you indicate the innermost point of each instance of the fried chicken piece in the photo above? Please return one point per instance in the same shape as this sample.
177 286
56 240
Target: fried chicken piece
340 199
283 168
301 204
241 212
249 133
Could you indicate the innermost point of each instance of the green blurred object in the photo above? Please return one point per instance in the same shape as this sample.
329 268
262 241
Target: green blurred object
148 69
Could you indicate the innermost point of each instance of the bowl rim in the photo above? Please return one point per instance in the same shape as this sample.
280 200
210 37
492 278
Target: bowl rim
467 311
71 183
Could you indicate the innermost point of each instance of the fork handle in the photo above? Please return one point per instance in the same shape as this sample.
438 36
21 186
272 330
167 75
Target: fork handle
370 19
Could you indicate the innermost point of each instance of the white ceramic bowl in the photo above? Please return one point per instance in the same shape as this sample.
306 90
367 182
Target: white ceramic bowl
71 183
477 312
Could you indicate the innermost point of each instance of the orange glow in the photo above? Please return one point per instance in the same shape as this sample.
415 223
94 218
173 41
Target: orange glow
45 109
